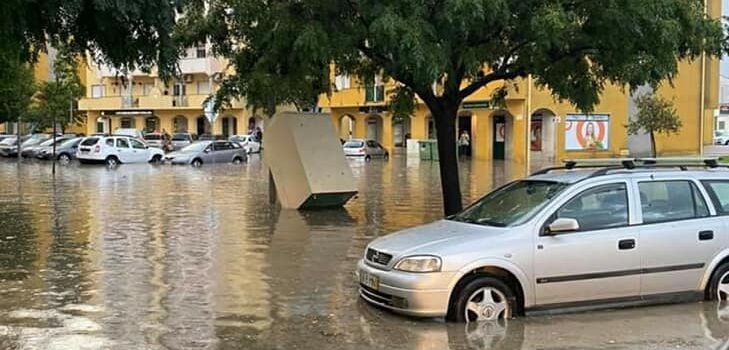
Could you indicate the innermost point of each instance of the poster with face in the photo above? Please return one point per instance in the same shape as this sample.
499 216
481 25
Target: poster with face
587 132
536 135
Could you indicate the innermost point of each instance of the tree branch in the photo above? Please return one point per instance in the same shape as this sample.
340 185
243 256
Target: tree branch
491 77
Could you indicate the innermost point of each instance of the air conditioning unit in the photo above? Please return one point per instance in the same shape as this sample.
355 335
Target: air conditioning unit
188 78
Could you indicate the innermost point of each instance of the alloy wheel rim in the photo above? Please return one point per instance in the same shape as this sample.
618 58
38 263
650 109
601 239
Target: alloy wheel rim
486 304
722 290
112 162
65 159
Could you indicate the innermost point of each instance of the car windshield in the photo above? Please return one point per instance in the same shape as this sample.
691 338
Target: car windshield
511 205
354 144
33 141
195 147
46 143
180 137
8 141
68 143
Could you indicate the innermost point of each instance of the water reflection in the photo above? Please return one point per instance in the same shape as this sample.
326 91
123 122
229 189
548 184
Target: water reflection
147 257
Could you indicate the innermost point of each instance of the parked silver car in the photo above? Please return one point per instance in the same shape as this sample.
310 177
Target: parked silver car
618 235
207 152
181 140
32 151
65 151
367 149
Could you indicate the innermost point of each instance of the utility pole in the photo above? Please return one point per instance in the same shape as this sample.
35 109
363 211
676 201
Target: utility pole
17 140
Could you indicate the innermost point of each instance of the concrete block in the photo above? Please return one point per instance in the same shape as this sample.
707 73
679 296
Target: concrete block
306 161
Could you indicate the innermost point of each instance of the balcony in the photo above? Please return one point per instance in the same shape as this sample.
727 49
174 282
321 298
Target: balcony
207 65
105 71
192 102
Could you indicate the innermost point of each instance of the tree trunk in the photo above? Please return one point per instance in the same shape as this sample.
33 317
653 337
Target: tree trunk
445 124
654 151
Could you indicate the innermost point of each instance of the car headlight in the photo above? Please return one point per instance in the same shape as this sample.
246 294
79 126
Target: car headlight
423 263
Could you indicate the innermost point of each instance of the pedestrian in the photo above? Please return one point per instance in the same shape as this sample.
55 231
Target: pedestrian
259 134
464 144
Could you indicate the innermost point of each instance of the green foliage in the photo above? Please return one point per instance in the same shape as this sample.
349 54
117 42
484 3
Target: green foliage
126 34
655 115
282 50
54 99
402 103
16 86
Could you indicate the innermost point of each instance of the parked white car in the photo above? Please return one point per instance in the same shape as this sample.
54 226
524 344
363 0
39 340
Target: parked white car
115 150
721 138
248 142
129 132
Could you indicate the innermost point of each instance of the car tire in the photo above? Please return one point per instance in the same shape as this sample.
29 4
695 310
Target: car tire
112 161
726 143
237 160
482 298
368 158
719 278
156 159
64 158
196 163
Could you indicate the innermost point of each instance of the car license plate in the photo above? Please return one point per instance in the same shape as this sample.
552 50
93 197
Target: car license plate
369 280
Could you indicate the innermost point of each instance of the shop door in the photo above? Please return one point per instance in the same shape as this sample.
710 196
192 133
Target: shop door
499 144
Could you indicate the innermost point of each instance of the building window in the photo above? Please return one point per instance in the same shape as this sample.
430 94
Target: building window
342 82
180 89
97 91
722 125
201 52
147 89
151 124
127 123
374 89
203 87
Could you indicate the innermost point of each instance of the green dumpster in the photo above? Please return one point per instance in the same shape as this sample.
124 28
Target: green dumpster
428 150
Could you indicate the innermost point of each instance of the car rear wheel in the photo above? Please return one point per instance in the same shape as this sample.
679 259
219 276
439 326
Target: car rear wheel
719 287
196 163
483 299
726 143
112 161
237 160
157 159
64 158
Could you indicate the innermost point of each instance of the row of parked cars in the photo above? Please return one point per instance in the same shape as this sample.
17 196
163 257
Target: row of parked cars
125 146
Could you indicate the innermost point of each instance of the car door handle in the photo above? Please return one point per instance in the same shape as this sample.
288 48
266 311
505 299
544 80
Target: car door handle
626 244
706 235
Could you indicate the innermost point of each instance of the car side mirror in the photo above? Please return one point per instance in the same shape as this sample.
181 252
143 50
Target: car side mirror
562 225
207 150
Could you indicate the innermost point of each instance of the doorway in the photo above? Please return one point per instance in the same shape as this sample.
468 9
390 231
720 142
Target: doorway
203 126
464 125
499 138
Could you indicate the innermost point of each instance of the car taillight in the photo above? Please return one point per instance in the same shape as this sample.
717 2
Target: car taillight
97 149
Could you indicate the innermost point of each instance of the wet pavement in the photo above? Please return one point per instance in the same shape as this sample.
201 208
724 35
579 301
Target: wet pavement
154 257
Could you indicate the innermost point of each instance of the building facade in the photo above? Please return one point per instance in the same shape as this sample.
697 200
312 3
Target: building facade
145 102
533 127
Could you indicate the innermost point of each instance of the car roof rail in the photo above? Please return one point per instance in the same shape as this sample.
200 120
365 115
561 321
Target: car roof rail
607 165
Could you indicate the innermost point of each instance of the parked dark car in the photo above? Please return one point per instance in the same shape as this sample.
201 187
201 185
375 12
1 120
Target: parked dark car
66 150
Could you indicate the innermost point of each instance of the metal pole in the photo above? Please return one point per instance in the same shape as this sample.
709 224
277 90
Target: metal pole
528 158
17 144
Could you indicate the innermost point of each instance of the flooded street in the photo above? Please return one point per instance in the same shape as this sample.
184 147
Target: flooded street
155 257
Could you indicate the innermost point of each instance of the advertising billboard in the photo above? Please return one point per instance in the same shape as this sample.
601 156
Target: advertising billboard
585 132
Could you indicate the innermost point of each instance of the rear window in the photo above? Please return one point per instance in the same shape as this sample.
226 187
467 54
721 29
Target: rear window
354 144
90 141
152 137
180 137
719 193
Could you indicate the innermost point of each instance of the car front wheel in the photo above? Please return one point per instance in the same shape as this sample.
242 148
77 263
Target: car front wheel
483 299
197 163
64 158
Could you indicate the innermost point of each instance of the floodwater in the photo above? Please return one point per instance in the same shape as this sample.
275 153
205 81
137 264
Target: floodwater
155 257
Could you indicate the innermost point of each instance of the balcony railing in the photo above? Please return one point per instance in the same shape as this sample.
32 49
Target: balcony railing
194 102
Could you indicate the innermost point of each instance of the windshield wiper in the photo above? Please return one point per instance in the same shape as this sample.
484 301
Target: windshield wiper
490 222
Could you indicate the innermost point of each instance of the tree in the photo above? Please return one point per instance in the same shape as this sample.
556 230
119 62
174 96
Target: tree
56 98
125 34
16 86
656 115
283 50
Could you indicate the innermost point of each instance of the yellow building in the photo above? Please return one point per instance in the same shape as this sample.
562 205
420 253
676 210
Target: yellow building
143 101
534 128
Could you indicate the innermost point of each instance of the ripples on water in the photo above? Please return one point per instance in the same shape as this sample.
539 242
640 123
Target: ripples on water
154 257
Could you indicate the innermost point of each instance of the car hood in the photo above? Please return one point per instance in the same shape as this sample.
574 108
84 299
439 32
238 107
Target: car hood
438 238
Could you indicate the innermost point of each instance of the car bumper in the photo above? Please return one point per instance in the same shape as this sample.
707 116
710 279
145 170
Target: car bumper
414 294
43 156
175 161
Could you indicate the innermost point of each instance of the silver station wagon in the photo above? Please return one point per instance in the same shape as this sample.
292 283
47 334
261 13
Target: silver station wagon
586 235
